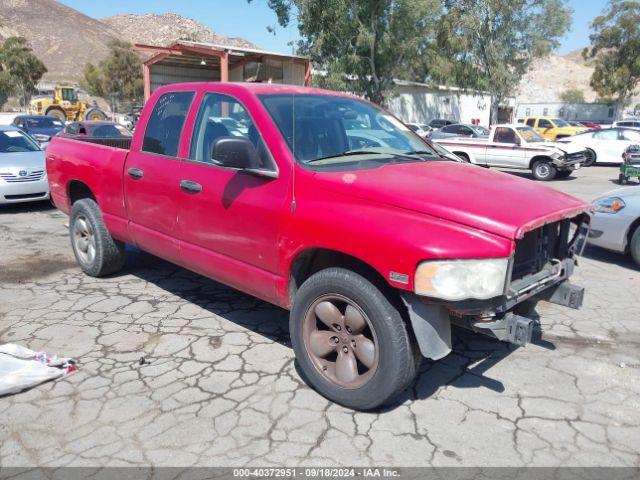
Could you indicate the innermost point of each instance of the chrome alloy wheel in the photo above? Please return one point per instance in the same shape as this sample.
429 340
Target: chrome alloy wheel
84 240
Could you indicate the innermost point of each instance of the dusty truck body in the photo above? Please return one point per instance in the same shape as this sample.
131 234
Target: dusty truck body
326 205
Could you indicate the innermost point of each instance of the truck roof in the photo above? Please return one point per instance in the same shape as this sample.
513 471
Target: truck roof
254 88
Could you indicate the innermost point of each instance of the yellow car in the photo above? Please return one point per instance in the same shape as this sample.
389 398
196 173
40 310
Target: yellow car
552 128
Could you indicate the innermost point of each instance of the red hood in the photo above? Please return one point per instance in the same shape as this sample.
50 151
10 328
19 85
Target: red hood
492 201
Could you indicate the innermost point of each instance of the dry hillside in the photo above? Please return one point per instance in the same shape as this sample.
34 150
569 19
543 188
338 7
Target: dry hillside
66 39
167 28
550 76
62 37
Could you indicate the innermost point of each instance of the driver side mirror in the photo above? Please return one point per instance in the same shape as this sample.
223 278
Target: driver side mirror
235 152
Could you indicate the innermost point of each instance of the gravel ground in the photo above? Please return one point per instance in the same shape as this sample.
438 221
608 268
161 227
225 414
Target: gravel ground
218 385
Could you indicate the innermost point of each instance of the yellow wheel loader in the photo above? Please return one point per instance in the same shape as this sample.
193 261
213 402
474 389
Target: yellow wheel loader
65 106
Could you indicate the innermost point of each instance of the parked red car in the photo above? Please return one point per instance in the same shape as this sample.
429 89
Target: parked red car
327 205
591 125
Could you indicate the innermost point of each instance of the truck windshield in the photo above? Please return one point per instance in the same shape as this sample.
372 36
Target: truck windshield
327 129
559 122
530 135
13 141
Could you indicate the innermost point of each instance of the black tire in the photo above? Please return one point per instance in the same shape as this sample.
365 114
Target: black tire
108 256
397 353
57 113
463 156
564 173
543 170
622 180
591 158
94 114
634 245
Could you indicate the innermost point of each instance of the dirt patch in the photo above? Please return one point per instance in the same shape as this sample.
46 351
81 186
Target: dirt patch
26 269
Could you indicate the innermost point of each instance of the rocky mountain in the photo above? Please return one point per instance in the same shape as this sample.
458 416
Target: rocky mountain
550 76
62 37
66 39
166 28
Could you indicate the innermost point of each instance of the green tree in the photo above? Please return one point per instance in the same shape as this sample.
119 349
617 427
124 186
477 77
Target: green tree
572 95
615 47
118 77
20 70
490 44
361 46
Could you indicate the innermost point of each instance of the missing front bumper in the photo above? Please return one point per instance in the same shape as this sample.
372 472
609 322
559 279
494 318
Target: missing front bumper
511 328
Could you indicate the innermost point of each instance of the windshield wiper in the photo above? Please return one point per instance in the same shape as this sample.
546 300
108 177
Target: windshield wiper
349 153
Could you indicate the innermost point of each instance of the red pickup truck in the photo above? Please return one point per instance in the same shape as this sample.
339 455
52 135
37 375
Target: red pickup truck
326 205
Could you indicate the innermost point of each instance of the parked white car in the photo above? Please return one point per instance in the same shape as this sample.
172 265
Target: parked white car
635 123
604 146
23 176
421 129
518 146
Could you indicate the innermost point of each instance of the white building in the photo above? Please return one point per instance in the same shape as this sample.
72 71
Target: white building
420 103
602 113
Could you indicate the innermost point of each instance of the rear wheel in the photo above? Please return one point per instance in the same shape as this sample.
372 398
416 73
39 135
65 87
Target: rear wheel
591 157
463 156
543 170
350 341
96 251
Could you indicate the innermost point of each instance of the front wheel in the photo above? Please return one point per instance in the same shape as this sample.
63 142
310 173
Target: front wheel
543 170
591 158
351 343
96 251
634 245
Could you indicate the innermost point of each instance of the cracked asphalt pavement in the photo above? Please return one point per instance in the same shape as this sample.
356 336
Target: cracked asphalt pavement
177 370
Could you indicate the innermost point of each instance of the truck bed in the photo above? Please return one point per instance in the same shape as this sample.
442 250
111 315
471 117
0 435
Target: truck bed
121 143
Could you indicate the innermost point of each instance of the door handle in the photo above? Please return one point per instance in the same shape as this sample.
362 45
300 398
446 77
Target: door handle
190 186
135 173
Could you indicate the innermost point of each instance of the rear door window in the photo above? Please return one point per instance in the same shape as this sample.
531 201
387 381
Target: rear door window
531 122
165 124
544 123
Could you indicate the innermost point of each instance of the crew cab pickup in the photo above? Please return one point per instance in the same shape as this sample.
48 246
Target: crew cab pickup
518 146
326 205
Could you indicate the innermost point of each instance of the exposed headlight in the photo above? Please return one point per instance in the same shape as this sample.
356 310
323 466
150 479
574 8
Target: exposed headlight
609 205
557 156
461 279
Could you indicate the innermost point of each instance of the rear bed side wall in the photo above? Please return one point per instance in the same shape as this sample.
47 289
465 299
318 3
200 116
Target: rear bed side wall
97 167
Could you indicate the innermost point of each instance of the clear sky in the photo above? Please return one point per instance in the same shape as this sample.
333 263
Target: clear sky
237 18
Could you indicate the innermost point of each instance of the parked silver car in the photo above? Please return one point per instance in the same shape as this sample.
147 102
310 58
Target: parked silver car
615 225
460 130
23 176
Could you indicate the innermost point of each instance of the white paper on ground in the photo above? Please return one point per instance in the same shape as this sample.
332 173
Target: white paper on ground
19 369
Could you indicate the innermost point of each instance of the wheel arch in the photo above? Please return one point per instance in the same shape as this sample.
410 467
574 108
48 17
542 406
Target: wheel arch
312 260
546 158
632 229
77 190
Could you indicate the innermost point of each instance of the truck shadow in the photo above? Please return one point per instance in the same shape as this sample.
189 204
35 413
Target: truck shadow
465 367
623 260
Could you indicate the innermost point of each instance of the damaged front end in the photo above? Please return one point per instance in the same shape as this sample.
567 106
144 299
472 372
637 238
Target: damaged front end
539 269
